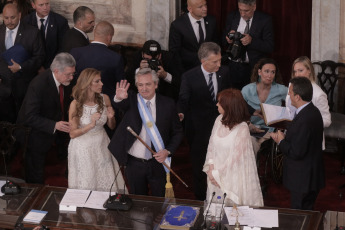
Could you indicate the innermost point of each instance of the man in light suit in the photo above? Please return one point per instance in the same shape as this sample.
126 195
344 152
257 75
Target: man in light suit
52 31
197 105
23 71
142 169
97 55
303 168
42 112
84 22
258 40
189 31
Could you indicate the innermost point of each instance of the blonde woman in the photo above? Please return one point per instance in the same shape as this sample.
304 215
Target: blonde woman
90 164
302 67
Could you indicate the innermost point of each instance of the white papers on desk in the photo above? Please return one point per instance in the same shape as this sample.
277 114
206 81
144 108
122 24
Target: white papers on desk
97 199
2 182
35 216
252 217
73 198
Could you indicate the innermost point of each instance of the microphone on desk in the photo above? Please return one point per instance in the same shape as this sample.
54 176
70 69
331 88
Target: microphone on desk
118 201
9 188
208 208
221 212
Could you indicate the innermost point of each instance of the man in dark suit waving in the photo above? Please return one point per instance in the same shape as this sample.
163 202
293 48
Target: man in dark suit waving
189 31
43 111
143 169
23 63
84 22
303 169
197 105
51 25
258 40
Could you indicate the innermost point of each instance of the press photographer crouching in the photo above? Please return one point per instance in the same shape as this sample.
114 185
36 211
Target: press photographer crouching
168 68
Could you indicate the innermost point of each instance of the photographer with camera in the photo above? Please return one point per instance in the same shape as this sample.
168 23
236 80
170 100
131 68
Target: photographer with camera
168 68
249 37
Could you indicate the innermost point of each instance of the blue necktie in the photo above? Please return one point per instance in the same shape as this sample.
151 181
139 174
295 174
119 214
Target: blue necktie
9 40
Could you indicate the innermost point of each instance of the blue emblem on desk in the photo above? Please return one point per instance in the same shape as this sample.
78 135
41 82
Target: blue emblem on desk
182 216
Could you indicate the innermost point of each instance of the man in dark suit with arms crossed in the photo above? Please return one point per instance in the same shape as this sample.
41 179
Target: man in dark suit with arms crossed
303 169
197 105
42 112
142 169
189 31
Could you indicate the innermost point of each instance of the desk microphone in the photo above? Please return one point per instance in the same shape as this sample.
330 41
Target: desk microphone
9 188
208 208
118 201
221 211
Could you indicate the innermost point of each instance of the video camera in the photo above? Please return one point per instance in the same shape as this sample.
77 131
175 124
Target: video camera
236 48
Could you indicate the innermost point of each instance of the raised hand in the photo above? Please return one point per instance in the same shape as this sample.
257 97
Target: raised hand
122 90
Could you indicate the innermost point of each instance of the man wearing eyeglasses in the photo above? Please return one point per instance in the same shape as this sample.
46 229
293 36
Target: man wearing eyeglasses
44 110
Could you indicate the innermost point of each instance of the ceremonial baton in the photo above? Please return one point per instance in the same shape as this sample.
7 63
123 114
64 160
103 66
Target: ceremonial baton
153 152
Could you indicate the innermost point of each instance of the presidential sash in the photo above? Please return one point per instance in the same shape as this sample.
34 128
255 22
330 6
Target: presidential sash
151 128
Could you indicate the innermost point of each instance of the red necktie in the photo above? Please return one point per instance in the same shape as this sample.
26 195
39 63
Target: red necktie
61 100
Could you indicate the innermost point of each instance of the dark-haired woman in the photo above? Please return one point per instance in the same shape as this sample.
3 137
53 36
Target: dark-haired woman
230 162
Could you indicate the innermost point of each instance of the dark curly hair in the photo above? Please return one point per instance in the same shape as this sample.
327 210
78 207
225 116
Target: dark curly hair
255 75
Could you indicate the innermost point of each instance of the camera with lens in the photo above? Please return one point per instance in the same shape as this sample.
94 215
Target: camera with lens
154 62
236 48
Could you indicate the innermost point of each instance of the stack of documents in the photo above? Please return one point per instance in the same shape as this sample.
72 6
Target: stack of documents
252 217
35 216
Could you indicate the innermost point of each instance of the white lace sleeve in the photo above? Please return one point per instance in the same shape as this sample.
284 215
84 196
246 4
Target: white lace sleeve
210 149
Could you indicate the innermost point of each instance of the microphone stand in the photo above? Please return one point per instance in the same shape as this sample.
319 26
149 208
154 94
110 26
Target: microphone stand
118 201
208 209
221 212
9 188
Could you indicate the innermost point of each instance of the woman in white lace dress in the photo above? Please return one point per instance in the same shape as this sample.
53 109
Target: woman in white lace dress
90 164
230 161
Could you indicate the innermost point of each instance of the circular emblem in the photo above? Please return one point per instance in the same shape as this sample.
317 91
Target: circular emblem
149 124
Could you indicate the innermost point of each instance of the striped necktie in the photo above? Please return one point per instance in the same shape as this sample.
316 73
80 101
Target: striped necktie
210 87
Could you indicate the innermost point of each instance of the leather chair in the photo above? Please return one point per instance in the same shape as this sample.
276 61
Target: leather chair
328 76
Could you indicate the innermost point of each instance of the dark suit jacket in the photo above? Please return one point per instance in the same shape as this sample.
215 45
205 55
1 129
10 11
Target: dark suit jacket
30 39
41 110
98 56
56 28
167 123
73 39
261 31
196 103
170 65
183 42
303 168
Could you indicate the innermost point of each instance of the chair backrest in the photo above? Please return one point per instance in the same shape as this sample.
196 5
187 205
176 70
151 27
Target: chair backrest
7 136
327 78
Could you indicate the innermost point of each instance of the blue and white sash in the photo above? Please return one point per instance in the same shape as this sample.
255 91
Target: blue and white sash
151 128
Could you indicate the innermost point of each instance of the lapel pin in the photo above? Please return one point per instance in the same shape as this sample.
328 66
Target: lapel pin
207 22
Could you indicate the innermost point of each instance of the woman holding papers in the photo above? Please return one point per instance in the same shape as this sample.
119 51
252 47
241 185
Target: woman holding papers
264 89
90 164
230 162
302 67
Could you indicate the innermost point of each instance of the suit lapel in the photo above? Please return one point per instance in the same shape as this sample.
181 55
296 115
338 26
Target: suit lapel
208 32
19 33
190 28
52 85
219 81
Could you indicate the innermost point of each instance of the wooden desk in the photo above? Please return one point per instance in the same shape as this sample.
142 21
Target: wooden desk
13 207
146 213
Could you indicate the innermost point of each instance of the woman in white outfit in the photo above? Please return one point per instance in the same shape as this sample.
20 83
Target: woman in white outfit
90 164
302 67
230 161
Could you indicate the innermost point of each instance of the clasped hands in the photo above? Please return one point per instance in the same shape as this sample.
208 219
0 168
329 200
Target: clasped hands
277 136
